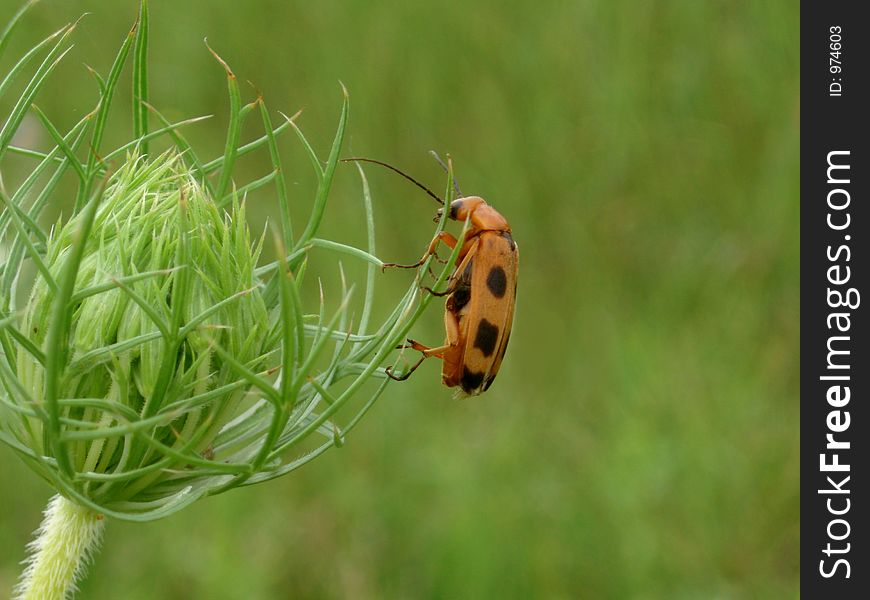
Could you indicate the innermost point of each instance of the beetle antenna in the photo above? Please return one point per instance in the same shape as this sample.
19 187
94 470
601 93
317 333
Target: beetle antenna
456 189
392 168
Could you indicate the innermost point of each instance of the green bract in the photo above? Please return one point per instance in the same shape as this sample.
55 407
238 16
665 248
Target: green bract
156 359
173 263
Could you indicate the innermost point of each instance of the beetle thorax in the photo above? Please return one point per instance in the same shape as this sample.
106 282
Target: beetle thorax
483 216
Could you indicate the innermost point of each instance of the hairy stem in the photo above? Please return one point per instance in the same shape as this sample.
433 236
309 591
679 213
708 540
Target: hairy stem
65 541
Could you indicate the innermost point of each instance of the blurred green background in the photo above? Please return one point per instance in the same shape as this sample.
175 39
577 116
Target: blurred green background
641 438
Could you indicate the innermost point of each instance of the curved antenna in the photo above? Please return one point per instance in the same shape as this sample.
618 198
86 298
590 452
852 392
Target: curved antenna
456 189
392 168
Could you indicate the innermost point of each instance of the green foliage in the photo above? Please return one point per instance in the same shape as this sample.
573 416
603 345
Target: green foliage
640 440
156 359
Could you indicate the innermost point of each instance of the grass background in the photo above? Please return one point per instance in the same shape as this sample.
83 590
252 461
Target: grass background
641 438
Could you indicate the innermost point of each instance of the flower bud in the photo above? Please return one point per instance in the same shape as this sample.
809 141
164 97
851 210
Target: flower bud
165 277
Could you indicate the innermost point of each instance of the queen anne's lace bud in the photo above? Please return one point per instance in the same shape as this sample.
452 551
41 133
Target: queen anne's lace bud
165 277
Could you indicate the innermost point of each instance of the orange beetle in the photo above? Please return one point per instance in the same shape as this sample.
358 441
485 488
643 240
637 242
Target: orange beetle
481 295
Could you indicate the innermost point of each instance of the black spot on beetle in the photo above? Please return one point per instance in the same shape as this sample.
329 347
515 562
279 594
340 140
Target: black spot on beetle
462 294
454 208
471 380
459 298
487 336
496 281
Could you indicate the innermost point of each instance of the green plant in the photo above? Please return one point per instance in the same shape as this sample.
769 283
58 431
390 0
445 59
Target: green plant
155 360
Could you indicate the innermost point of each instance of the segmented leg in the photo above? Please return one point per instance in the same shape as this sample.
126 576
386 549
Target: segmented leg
446 292
389 371
427 353
466 254
444 236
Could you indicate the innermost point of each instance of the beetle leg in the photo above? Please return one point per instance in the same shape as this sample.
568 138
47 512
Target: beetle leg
447 292
427 352
389 371
456 278
409 343
451 287
443 236
438 352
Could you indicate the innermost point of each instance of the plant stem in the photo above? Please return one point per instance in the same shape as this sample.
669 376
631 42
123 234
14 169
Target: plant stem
65 541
